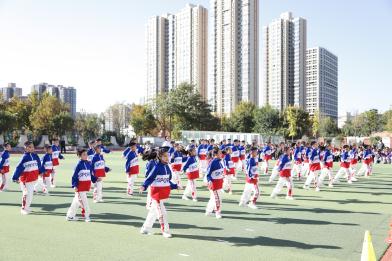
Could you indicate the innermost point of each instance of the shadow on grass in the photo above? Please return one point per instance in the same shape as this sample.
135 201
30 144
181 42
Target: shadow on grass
257 241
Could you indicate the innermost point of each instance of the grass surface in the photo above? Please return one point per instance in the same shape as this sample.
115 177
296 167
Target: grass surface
326 225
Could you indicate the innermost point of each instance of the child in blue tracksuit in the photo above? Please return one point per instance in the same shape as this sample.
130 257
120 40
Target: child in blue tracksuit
159 179
192 173
151 157
131 166
215 183
81 183
99 169
252 181
47 169
5 166
26 173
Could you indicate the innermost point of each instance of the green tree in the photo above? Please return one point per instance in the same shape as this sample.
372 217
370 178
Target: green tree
387 120
7 121
61 124
315 119
88 125
267 120
297 122
328 127
242 118
142 120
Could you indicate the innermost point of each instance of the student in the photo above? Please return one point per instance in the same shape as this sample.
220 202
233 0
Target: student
344 166
192 173
159 179
297 157
56 155
99 171
151 157
252 181
267 156
103 148
202 155
327 165
353 154
215 182
5 166
314 165
242 149
235 157
81 183
275 170
91 151
47 169
306 150
367 161
131 166
284 175
176 163
26 173
229 171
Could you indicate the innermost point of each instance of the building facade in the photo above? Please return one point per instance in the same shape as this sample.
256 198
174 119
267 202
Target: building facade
10 92
117 118
64 94
322 83
234 55
284 63
177 51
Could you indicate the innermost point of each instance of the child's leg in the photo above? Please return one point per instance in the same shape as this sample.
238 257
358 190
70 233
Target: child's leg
130 185
149 199
39 184
99 194
274 174
278 187
4 178
229 182
188 190
265 166
290 186
46 184
225 182
337 176
71 213
52 181
324 173
309 179
29 188
193 188
246 194
82 197
256 193
162 217
218 201
151 216
211 203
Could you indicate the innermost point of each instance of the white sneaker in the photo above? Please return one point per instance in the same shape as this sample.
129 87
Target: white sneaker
71 218
354 179
330 185
195 200
350 182
185 197
241 204
24 212
95 201
230 192
218 216
87 219
289 198
317 189
305 187
209 214
273 196
101 200
52 185
144 231
166 235
252 206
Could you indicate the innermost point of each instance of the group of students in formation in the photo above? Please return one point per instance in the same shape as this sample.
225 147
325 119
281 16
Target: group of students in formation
218 164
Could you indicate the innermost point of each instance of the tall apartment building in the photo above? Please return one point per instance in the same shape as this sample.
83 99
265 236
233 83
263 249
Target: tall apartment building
64 94
284 64
177 50
10 91
234 55
322 82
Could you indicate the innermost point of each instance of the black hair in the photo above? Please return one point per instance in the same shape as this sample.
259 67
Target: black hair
99 139
150 155
27 143
312 143
131 144
47 146
6 144
215 151
80 152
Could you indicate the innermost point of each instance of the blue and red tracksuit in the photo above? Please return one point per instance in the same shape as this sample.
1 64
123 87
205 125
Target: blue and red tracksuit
215 174
28 168
159 179
190 168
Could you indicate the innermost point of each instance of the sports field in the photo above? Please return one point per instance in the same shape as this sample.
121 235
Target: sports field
326 225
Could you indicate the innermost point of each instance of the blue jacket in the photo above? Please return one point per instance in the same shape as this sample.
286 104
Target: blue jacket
27 160
82 172
4 157
215 170
160 176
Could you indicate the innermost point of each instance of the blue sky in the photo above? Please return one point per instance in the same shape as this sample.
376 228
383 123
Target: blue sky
98 46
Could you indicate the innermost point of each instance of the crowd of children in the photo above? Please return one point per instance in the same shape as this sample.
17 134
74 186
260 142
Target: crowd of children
217 164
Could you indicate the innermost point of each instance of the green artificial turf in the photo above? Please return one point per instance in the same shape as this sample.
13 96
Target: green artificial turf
326 225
